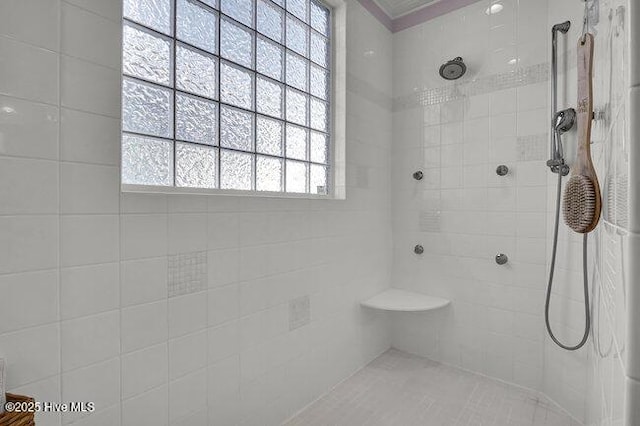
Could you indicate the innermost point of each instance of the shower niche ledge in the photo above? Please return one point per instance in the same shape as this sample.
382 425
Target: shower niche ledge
398 300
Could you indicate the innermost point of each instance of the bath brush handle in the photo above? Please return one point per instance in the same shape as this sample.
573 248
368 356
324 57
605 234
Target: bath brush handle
584 109
584 164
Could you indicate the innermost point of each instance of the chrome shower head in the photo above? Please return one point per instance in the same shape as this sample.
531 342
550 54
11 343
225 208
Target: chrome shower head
564 120
453 69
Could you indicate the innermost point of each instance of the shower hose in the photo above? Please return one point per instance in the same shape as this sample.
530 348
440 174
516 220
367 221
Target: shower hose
587 315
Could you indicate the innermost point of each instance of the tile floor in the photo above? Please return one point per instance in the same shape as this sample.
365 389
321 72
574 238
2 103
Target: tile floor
400 389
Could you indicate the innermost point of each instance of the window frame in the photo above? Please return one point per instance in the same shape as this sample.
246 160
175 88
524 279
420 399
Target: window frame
336 145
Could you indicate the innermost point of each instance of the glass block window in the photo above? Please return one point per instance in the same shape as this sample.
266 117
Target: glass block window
227 94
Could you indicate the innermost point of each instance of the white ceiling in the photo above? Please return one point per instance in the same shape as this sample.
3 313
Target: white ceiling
395 8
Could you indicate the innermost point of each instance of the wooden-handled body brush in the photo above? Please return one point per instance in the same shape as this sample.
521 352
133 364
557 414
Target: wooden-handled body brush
582 201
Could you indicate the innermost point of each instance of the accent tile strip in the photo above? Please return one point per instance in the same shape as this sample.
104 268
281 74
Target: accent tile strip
490 83
187 273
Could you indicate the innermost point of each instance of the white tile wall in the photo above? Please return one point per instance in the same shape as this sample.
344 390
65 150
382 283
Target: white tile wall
39 287
144 370
85 268
32 74
28 243
84 306
75 146
495 325
87 340
144 325
149 407
87 290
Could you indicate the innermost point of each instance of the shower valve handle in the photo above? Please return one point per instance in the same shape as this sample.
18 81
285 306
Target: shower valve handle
502 170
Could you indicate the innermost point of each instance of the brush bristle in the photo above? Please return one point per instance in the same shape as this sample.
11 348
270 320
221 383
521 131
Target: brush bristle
579 207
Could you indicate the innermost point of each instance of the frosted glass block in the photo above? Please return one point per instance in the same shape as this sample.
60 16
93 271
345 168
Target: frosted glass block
212 3
298 8
196 165
236 170
269 174
196 120
146 55
269 136
319 18
297 71
297 36
147 161
197 25
318 180
319 116
147 109
154 14
296 107
269 97
269 58
236 86
296 142
240 10
270 20
196 72
319 50
296 176
319 147
236 44
236 129
319 84
279 2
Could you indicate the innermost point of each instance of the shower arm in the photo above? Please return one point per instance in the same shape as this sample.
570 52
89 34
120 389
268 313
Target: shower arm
556 157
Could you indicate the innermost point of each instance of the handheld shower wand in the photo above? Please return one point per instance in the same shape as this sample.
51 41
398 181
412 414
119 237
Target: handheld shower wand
582 202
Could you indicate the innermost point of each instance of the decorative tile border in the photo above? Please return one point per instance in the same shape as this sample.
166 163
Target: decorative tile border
429 220
417 17
299 312
490 83
187 273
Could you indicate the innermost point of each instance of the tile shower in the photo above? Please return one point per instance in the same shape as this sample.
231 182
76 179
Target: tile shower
175 309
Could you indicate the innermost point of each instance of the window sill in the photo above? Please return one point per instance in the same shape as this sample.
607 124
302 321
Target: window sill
146 189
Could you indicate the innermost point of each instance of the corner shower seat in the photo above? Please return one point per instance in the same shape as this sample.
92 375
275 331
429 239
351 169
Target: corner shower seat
398 300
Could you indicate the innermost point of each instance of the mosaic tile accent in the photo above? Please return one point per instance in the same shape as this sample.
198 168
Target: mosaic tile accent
533 147
299 312
430 221
478 86
616 191
187 273
615 183
402 389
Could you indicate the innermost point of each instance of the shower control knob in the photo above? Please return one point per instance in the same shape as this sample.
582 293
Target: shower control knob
501 258
502 170
418 175
418 249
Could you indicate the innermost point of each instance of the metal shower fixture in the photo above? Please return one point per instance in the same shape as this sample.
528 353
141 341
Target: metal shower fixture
453 69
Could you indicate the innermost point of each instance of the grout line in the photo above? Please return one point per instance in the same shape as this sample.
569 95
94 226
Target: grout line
59 257
93 12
